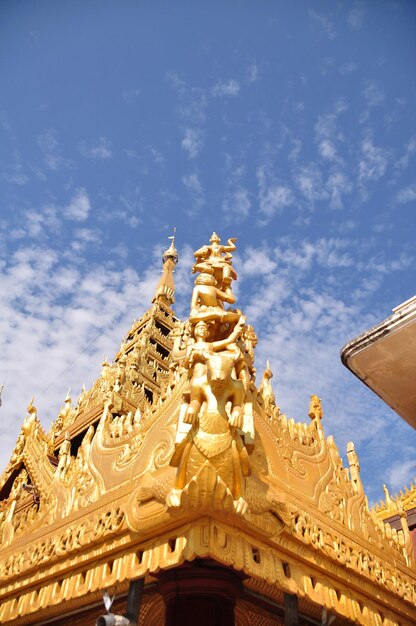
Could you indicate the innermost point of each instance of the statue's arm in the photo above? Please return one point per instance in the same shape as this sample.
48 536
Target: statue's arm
219 345
231 246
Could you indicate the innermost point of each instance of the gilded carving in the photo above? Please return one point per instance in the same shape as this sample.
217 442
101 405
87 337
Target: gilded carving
176 435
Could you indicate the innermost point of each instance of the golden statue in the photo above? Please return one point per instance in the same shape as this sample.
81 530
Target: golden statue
213 284
219 373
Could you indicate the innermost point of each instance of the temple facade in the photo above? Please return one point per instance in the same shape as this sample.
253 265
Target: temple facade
176 490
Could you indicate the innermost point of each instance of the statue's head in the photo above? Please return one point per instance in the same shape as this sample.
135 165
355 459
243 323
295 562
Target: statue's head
205 279
201 330
215 238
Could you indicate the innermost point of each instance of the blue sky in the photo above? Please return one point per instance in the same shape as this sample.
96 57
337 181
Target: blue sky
290 125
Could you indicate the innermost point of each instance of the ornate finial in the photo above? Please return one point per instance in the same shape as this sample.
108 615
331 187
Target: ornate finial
266 388
31 409
354 464
315 408
389 500
171 252
166 288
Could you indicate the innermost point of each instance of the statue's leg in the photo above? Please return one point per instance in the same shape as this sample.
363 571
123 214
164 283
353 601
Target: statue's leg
173 499
180 480
237 473
237 403
195 403
240 504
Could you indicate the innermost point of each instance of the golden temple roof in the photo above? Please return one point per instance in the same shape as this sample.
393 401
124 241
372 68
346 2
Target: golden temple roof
175 454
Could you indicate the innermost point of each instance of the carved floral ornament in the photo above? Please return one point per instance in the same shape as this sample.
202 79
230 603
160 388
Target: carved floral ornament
176 429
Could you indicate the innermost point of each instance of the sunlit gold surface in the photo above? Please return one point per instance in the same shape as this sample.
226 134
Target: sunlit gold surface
174 454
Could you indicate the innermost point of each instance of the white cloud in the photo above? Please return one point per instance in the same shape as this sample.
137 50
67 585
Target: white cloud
327 133
196 191
337 185
273 196
407 194
296 149
255 261
48 143
322 25
99 149
85 238
348 68
399 472
226 88
410 149
373 93
237 205
327 150
192 141
130 95
309 181
79 206
17 178
356 15
252 73
373 162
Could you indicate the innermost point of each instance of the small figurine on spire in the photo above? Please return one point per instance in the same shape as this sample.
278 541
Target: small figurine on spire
166 288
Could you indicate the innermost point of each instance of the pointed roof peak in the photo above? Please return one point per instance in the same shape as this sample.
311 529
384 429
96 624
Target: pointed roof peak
165 289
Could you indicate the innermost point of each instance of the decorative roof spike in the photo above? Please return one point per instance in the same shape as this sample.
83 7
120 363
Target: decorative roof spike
315 408
171 252
166 288
389 501
31 409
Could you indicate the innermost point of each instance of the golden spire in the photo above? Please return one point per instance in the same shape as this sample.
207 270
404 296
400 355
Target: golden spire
166 288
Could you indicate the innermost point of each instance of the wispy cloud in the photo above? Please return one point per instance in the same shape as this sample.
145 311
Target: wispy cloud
373 93
79 206
273 196
321 25
237 205
348 68
327 133
373 161
130 95
308 179
226 88
99 149
407 194
410 150
49 145
192 141
356 15
196 192
252 73
398 473
337 185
